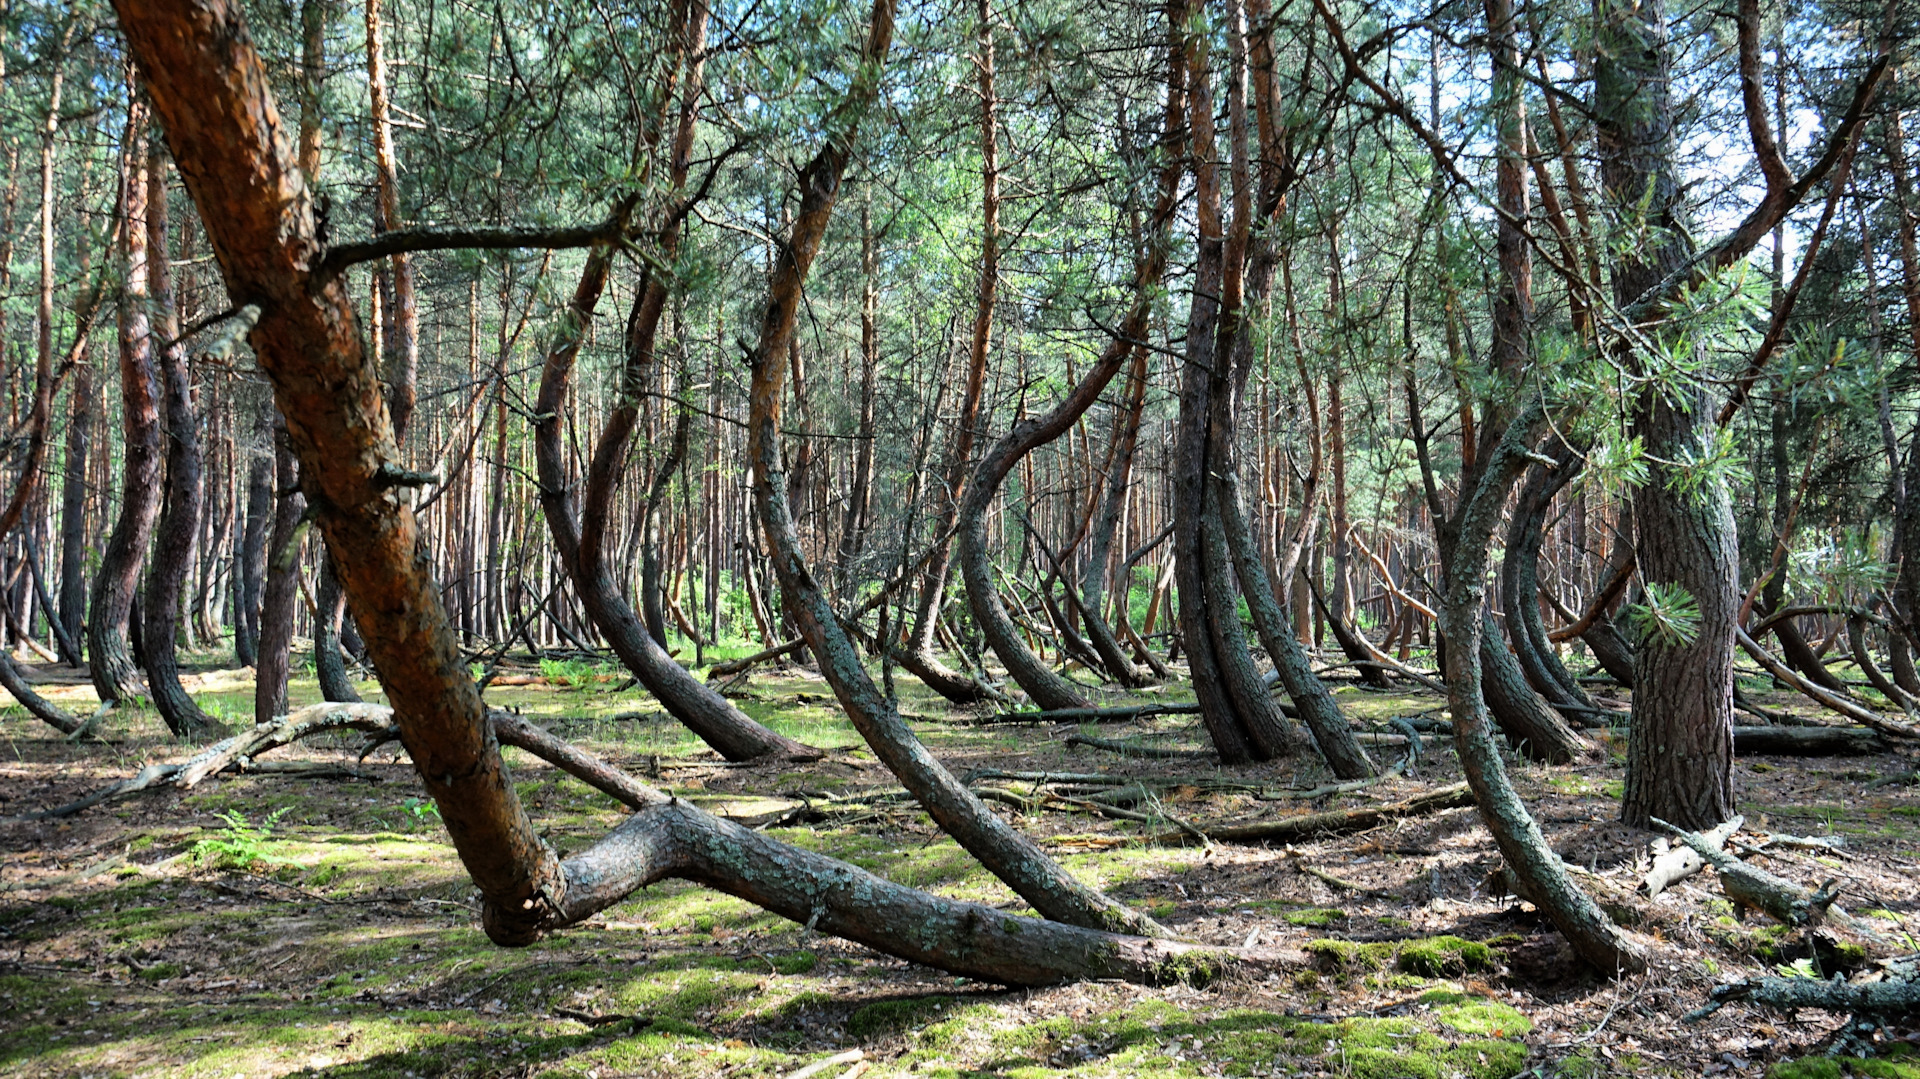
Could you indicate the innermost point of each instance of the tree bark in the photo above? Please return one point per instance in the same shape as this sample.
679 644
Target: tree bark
281 591
115 675
329 665
180 514
73 505
251 562
1680 746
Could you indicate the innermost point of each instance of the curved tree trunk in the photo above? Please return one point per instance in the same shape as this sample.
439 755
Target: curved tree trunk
1543 877
115 675
1240 716
1009 855
329 665
15 683
1520 584
580 537
180 515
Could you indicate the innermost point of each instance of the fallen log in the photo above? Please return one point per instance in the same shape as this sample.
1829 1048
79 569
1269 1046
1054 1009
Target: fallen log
1087 715
1135 749
1332 822
1681 862
1858 713
1887 1000
735 666
1748 885
1809 741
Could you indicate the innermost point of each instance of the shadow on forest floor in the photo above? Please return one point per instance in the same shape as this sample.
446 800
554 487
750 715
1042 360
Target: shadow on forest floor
321 927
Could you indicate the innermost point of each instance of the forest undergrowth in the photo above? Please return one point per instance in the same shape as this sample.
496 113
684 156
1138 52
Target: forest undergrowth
320 924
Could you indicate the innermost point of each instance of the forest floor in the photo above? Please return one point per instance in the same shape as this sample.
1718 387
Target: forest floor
269 926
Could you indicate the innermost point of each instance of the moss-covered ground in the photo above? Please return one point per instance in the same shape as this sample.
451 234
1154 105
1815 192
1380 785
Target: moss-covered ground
320 925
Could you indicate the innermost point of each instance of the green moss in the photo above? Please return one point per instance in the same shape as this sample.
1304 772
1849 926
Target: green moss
889 1016
1346 956
1823 1067
1315 917
1425 957
796 962
160 972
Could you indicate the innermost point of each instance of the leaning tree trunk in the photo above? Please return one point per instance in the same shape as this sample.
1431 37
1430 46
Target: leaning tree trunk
115 675
1006 853
180 516
580 536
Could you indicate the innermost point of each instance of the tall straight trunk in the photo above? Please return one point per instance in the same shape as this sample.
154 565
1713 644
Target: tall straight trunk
115 675
180 515
1680 746
74 547
281 592
251 557
934 581
853 530
403 345
1009 855
580 535
1907 585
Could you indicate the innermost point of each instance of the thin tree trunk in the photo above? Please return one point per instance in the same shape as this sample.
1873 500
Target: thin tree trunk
115 675
180 514
280 594
73 506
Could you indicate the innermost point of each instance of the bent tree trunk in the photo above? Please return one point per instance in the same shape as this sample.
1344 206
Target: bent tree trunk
1009 855
212 95
1520 583
1593 936
1240 716
180 516
329 665
580 536
115 676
